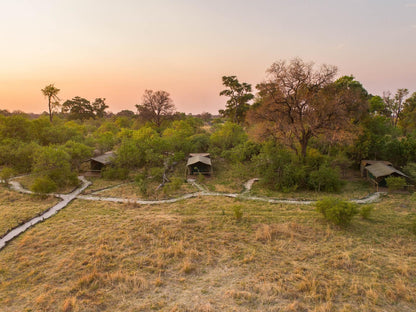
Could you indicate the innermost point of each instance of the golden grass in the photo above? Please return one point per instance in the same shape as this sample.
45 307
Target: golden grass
16 208
132 191
194 256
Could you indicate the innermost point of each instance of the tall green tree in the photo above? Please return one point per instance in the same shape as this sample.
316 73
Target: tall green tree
51 92
239 95
99 107
78 108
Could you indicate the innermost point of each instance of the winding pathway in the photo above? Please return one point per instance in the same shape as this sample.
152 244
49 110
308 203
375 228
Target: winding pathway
67 198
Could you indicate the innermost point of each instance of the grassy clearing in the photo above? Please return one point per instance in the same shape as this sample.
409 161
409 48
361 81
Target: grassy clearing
196 256
132 191
227 178
16 208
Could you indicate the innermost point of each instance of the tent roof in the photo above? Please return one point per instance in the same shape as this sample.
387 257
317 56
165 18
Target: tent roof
105 158
382 170
366 162
199 154
197 159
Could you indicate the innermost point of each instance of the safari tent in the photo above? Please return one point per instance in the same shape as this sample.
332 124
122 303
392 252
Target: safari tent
199 163
378 172
99 162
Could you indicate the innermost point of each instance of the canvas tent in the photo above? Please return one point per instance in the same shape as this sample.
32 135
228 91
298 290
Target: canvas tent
99 162
378 173
365 163
199 163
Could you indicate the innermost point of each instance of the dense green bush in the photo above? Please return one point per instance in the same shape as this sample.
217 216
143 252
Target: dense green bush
5 174
43 185
366 211
174 185
337 211
55 163
395 183
325 179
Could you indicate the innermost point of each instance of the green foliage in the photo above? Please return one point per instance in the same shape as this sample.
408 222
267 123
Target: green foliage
325 179
279 168
115 173
78 152
174 185
365 211
141 182
55 163
242 152
17 154
43 185
337 211
156 174
5 174
239 95
143 147
226 137
410 170
395 183
238 212
16 127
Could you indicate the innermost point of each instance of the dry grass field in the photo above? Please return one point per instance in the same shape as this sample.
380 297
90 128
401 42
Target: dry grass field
16 208
195 255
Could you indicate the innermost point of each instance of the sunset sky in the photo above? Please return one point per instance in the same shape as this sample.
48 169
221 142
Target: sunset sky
117 49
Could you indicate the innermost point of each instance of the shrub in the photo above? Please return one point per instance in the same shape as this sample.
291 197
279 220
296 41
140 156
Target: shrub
366 211
43 185
325 179
141 183
174 185
395 183
337 211
238 213
5 174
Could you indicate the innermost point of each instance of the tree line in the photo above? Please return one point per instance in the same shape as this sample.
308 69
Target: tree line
301 130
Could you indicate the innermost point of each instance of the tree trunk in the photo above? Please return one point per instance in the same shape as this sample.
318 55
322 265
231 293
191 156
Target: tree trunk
50 109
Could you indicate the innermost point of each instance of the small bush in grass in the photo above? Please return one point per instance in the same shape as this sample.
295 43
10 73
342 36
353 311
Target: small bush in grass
5 174
337 211
141 182
43 185
366 211
238 213
395 183
174 185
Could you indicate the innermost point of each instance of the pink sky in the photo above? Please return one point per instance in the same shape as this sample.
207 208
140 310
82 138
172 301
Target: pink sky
116 50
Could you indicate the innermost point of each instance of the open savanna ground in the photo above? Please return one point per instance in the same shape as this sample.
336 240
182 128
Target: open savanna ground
195 255
16 208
